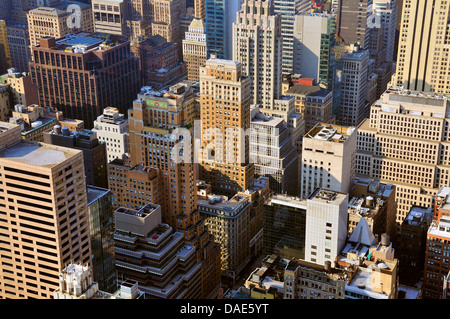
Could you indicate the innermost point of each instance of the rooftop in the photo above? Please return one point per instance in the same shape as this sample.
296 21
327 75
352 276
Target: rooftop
327 196
37 154
82 42
418 215
218 203
330 132
287 200
141 212
310 90
94 193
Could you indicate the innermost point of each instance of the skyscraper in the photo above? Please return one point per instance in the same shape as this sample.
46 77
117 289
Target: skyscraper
175 271
5 55
225 115
101 227
326 226
313 40
83 76
288 10
328 159
44 219
404 142
257 44
422 63
194 48
166 17
355 73
352 26
220 15
111 129
386 13
110 16
55 21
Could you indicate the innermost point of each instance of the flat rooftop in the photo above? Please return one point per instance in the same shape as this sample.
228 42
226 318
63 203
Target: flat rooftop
327 196
142 212
287 200
330 132
418 215
94 193
38 154
224 62
310 90
216 202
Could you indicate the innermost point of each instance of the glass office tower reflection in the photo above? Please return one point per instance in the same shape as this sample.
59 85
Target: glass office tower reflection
284 227
102 237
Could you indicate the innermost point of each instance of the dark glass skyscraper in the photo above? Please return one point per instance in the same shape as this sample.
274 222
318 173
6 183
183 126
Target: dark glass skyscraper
285 227
102 240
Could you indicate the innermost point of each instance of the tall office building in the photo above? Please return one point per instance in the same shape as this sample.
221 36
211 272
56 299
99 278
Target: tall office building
82 77
111 129
109 16
284 226
404 142
44 220
352 26
437 248
274 153
225 115
5 55
228 220
313 41
326 226
386 14
166 18
257 44
199 9
101 229
413 244
194 48
313 102
22 89
220 16
94 151
19 46
288 10
141 240
160 62
328 159
142 182
153 122
139 19
422 62
57 21
354 106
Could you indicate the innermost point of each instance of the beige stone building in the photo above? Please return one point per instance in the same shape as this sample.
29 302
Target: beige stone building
257 44
5 54
138 19
22 90
57 21
313 102
5 103
166 19
424 25
328 158
405 142
44 222
109 16
225 115
194 48
228 221
199 7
